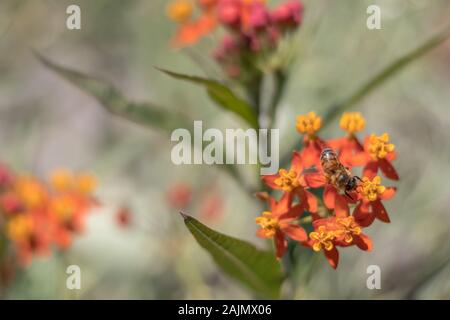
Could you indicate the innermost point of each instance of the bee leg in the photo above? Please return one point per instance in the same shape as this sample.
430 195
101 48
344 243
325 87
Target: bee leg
358 178
348 195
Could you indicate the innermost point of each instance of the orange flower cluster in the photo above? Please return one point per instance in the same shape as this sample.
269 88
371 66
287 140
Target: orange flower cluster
320 184
35 215
252 28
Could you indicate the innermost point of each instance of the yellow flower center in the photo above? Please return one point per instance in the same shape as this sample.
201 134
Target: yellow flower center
348 227
287 180
309 123
20 228
323 239
86 183
180 10
371 189
352 122
268 223
63 207
379 146
30 191
61 180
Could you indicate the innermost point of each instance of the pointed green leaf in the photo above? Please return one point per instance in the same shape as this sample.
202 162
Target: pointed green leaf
145 114
222 95
259 270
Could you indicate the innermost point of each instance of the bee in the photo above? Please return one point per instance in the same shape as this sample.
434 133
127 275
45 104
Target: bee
335 172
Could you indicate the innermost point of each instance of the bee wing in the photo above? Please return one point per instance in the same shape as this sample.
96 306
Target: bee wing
312 169
314 177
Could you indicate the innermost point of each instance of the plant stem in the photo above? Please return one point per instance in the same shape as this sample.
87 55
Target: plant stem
280 78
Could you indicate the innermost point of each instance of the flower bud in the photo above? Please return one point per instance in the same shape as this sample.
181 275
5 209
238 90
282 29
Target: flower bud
288 15
229 13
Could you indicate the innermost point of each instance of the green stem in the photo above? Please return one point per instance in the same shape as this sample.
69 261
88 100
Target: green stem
280 83
254 93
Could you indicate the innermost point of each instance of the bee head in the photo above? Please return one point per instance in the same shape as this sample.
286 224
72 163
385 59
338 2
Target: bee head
351 184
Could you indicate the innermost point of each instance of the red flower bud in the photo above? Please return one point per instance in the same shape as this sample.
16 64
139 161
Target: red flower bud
229 13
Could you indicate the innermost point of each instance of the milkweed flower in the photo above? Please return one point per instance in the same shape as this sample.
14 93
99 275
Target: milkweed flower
278 224
38 215
333 232
349 148
308 125
340 216
370 207
190 30
252 24
292 183
380 153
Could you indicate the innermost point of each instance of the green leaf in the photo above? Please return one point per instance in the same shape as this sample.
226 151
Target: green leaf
386 74
259 270
145 114
109 97
222 95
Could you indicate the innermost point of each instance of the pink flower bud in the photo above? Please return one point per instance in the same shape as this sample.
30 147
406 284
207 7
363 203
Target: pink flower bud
229 13
227 47
259 17
288 15
6 176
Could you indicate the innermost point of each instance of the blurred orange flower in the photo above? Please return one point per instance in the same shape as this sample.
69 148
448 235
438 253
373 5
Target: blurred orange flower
38 215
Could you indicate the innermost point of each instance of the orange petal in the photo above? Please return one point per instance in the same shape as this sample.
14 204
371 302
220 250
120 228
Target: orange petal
315 179
332 257
293 213
360 159
370 170
391 156
336 144
388 194
363 242
388 170
262 233
362 215
329 196
269 180
296 233
310 155
320 222
296 163
380 212
341 207
186 35
280 244
283 205
206 23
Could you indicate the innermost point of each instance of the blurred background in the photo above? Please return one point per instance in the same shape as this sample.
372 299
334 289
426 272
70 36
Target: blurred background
47 123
